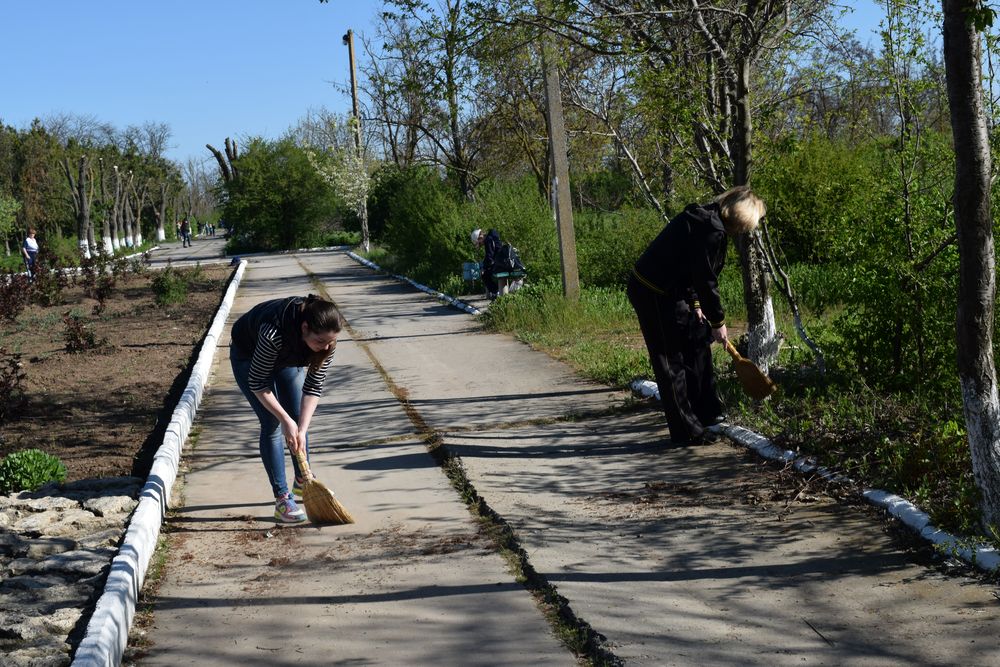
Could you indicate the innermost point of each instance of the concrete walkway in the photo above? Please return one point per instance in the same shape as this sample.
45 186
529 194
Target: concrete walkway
676 556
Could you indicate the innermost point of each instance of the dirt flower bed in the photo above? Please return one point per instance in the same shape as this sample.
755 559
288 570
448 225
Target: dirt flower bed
102 409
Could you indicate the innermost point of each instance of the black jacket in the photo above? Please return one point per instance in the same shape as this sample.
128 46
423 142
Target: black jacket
684 261
491 245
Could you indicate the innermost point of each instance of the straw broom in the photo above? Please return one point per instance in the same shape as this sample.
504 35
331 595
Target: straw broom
321 505
757 385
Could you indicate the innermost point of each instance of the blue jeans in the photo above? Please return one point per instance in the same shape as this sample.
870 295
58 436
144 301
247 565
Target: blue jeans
286 383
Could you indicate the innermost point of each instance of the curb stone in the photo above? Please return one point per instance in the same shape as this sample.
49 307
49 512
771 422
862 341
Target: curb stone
441 296
107 633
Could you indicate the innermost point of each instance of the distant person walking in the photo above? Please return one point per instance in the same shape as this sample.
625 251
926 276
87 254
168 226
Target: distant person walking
185 233
280 352
674 289
29 250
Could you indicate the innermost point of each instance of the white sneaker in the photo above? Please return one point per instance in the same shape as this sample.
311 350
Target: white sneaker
286 511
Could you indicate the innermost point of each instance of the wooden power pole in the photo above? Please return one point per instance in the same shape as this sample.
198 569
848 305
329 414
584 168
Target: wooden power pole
363 206
560 169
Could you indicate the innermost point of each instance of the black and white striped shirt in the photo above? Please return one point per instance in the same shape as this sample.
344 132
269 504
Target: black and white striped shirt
270 337
265 356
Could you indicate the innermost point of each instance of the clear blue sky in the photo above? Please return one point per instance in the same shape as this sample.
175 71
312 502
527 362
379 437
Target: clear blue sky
207 68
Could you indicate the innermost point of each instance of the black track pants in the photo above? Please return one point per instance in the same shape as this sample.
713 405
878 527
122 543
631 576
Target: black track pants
680 352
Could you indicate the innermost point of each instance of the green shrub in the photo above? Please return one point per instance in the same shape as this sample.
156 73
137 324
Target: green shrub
29 469
424 230
279 202
170 286
343 238
607 244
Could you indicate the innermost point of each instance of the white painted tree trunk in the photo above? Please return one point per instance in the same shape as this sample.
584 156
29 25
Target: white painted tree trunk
976 250
84 248
109 248
161 236
982 419
762 339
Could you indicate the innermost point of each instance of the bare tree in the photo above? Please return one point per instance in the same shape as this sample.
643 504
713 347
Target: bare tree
85 129
977 269
443 37
81 194
123 184
599 93
108 209
227 163
397 103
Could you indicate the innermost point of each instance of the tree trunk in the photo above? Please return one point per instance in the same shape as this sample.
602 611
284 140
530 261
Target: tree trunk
161 214
116 212
974 223
81 203
106 246
762 333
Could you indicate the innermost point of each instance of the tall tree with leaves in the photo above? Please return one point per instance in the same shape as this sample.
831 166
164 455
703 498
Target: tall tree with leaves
974 222
444 37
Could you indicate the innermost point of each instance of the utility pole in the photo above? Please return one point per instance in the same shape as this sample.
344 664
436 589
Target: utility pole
560 168
349 43
363 206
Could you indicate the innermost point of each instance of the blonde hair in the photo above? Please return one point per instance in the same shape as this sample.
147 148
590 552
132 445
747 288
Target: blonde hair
740 209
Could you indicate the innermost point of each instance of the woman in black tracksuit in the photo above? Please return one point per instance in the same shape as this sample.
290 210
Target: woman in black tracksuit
675 293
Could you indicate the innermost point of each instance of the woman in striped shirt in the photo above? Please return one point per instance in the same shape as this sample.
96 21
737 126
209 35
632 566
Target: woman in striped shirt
280 352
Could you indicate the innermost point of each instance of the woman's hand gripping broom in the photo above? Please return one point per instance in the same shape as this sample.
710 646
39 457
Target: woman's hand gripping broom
320 503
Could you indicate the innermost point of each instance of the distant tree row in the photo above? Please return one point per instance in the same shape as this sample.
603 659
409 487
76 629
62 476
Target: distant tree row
77 179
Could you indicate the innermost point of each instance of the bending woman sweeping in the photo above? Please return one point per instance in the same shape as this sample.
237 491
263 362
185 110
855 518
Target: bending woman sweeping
280 352
674 289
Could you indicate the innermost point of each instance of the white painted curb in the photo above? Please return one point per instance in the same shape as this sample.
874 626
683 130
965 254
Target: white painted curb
450 300
107 632
983 556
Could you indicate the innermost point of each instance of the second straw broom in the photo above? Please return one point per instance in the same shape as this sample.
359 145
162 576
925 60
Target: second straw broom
754 382
322 507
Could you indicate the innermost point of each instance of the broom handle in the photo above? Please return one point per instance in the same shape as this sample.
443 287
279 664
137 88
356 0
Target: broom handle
731 349
303 465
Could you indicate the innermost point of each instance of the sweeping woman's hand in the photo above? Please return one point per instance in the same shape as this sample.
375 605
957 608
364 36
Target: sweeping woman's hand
290 431
299 444
720 335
